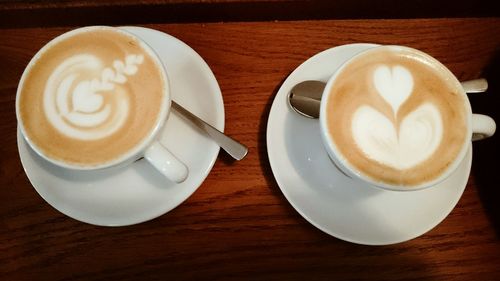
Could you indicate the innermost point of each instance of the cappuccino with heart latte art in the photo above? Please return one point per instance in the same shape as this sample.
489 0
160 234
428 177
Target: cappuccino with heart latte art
90 96
394 115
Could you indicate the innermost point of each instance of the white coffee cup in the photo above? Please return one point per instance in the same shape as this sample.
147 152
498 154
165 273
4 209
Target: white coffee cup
149 147
478 127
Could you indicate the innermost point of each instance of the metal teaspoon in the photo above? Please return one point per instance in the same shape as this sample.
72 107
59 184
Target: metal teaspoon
234 148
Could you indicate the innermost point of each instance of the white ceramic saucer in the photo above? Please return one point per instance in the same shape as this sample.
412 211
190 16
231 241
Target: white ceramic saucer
329 200
138 192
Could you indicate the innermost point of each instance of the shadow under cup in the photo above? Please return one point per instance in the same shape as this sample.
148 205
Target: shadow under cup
131 58
368 108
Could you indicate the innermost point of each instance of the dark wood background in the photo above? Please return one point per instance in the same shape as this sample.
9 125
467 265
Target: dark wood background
36 13
238 225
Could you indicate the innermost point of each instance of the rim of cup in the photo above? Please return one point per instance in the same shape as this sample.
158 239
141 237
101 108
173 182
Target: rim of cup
343 164
134 152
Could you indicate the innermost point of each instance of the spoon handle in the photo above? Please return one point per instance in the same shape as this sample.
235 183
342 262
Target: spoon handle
234 148
475 86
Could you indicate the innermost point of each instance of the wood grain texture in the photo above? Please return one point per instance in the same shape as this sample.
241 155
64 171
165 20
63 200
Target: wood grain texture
238 225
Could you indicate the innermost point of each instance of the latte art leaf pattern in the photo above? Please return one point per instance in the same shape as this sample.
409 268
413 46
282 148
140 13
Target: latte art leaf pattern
89 109
418 137
419 133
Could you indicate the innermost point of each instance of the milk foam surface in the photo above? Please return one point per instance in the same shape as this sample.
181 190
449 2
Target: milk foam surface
91 97
395 117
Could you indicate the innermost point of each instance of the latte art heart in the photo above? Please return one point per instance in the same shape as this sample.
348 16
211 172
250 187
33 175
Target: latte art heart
78 107
419 133
393 84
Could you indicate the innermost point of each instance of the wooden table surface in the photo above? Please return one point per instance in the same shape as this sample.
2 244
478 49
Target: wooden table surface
238 225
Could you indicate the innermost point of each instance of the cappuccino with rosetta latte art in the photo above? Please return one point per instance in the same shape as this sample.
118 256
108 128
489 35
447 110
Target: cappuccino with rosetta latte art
397 116
91 96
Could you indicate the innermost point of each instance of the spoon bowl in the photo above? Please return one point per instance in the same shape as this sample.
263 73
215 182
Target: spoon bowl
305 98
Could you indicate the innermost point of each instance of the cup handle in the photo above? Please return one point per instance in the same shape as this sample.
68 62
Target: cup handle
483 126
166 163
